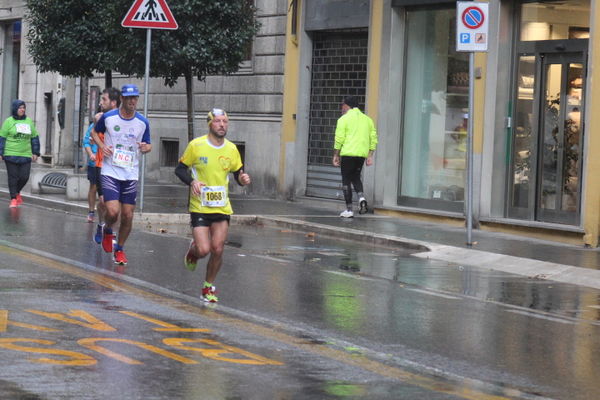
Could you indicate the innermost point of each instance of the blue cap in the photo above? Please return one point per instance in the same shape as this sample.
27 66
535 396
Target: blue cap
129 90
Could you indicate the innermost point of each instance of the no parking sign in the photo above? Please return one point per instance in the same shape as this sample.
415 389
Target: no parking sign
471 36
471 26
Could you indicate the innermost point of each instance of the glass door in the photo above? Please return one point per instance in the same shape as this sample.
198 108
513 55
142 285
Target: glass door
545 183
523 153
562 82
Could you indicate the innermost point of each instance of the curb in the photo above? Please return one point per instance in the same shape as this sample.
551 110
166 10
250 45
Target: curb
533 269
39 201
344 233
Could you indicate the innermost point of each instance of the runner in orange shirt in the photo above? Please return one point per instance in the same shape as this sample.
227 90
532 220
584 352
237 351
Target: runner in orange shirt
109 100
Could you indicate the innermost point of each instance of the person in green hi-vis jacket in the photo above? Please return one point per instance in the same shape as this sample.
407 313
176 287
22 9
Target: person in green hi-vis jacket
19 145
355 141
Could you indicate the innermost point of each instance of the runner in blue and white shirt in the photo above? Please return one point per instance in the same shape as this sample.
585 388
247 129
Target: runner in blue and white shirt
126 137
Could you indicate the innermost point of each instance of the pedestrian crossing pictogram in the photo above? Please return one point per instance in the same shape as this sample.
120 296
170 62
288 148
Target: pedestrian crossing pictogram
153 14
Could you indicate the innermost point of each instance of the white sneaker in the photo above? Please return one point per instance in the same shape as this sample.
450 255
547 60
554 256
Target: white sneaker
347 214
362 202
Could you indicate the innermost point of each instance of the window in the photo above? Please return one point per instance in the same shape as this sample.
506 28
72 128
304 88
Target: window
294 10
241 146
246 64
169 155
433 144
11 55
555 20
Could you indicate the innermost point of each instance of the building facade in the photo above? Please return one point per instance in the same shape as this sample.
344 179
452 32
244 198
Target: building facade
252 97
533 113
533 108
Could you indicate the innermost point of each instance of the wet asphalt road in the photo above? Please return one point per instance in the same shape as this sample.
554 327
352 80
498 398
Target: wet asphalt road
300 317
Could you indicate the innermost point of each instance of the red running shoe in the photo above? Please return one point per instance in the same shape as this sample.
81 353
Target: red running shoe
107 242
190 260
19 199
209 294
120 257
13 203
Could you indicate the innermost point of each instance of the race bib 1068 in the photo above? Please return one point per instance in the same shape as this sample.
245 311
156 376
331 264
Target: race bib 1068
214 196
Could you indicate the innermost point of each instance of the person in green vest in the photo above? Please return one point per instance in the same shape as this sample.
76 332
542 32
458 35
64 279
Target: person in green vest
355 142
19 146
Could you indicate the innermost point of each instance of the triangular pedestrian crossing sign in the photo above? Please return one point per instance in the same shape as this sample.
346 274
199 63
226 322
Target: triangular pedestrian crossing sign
154 14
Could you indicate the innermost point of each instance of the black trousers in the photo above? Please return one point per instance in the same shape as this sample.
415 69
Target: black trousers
351 169
18 175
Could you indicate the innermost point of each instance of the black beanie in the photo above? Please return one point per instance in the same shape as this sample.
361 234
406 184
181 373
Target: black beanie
351 101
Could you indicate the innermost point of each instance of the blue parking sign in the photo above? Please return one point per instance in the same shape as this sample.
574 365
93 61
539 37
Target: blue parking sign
465 38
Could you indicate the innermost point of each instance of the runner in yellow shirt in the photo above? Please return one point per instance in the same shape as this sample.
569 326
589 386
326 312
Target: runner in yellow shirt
205 167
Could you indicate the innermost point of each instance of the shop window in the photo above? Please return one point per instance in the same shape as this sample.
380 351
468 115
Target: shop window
434 133
555 20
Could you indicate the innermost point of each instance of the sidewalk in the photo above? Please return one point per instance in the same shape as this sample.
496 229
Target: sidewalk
537 259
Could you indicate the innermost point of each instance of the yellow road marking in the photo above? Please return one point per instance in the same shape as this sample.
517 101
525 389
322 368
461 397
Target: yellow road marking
463 389
166 327
90 343
4 322
91 321
218 352
33 327
76 358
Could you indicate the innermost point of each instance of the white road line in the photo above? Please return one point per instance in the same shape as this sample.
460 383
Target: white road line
347 275
541 316
431 293
281 260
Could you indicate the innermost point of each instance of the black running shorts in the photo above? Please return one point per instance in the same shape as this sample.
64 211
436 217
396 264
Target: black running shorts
198 219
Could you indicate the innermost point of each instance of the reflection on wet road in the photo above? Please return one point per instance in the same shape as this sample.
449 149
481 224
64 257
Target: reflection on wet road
301 316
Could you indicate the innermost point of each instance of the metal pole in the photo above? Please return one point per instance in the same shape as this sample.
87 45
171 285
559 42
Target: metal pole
469 204
76 134
146 101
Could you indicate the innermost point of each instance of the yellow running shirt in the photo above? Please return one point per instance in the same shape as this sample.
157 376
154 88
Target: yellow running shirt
211 165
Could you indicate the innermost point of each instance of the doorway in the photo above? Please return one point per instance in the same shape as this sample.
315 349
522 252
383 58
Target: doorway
339 69
548 131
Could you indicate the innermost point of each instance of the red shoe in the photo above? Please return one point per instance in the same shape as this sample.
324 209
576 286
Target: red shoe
107 242
19 199
209 294
13 203
190 260
120 257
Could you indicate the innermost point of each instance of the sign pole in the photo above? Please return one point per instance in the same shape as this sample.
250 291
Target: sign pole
469 204
471 36
146 101
148 14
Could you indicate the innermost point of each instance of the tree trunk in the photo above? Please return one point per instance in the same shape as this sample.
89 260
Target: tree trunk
107 78
189 91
